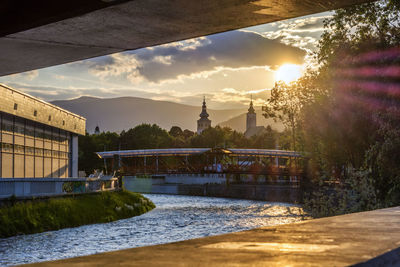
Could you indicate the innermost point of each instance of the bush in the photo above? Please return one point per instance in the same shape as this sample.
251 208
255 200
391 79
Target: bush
356 194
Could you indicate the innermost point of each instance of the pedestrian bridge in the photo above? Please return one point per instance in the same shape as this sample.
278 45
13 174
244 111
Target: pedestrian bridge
205 161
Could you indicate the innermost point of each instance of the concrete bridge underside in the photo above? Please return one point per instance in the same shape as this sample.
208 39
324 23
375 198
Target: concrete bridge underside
43 33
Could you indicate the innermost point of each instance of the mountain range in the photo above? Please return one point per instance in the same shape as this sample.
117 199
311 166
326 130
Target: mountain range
123 113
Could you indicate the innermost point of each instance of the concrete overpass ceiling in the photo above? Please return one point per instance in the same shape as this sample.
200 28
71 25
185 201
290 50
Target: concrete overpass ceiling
43 33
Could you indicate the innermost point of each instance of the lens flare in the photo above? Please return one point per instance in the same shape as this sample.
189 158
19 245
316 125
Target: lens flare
288 73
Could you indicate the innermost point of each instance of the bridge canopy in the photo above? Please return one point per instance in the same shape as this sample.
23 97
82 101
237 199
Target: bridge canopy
196 151
153 152
265 152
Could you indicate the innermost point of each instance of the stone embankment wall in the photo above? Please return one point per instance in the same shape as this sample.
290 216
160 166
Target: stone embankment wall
274 193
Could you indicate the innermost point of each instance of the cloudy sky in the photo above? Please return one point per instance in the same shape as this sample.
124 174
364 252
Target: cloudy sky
227 67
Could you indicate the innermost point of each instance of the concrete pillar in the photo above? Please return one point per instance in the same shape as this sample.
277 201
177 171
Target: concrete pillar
59 188
74 161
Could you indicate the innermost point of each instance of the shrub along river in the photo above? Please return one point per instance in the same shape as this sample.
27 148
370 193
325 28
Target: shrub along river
175 218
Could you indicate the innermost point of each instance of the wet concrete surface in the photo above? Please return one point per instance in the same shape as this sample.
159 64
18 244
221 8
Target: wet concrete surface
366 238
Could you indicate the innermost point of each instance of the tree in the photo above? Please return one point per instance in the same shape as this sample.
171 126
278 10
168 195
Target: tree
90 144
175 131
238 140
383 157
352 129
187 134
146 136
372 25
210 137
267 139
284 105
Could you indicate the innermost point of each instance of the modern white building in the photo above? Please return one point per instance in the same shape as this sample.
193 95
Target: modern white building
37 139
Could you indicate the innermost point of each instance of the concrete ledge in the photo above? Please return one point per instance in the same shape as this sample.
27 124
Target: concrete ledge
334 241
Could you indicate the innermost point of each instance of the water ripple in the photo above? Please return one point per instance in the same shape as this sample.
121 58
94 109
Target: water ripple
176 218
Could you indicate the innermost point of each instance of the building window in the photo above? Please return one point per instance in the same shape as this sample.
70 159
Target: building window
35 113
49 117
6 147
19 149
7 126
63 122
47 153
20 129
30 150
15 106
29 132
38 151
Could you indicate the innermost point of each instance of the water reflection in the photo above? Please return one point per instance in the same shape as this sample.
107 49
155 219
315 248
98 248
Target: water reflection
175 218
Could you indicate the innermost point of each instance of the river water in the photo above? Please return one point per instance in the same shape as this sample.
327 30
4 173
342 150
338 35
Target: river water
175 218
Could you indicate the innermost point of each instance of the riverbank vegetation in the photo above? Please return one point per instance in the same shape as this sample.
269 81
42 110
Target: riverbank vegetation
39 215
345 111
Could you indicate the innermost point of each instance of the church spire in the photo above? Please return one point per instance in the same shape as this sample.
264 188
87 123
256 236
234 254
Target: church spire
251 108
251 117
203 123
204 113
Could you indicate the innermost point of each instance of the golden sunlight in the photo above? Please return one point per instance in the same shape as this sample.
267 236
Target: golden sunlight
288 73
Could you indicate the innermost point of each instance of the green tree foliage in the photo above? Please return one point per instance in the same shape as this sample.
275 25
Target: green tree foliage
238 140
221 137
288 101
284 105
187 134
89 144
383 158
145 136
179 138
371 25
346 115
210 137
352 130
176 131
267 140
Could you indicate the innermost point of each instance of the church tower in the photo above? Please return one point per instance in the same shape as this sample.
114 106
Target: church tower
203 123
251 117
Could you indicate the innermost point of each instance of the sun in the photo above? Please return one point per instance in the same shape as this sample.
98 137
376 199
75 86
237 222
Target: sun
288 73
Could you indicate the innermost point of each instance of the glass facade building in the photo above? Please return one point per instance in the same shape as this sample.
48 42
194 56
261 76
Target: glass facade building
38 139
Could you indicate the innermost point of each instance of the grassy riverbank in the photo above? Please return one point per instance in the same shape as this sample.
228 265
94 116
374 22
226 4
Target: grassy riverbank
34 216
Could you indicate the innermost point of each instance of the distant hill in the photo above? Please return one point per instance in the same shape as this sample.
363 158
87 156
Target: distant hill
238 123
123 113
